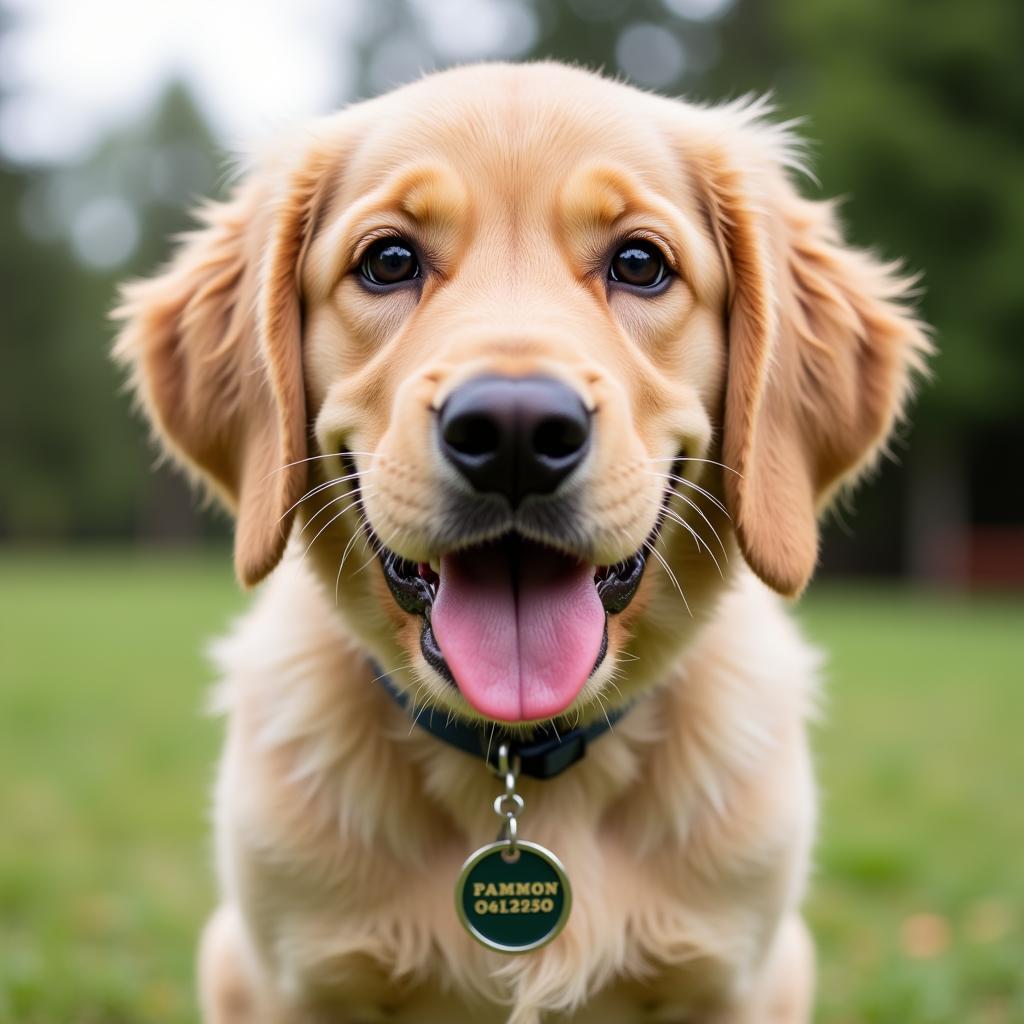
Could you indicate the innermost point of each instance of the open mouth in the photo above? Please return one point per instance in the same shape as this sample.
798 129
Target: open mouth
517 626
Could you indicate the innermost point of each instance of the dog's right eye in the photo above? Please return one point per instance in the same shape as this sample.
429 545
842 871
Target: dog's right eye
390 261
638 263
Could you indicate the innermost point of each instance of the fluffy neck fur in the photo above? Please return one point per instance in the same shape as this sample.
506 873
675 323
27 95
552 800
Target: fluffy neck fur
690 792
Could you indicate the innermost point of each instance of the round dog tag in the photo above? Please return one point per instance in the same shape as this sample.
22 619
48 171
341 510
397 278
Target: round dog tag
513 905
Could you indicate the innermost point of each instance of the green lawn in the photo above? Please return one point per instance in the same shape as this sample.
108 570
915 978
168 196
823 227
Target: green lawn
106 760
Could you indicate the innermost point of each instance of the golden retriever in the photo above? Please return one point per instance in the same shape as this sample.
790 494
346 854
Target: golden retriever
528 389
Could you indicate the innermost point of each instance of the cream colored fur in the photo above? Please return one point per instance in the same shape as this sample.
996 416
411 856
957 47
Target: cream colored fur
685 832
777 350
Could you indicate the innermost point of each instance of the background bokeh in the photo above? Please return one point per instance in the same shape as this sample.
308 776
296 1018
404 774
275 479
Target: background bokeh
116 117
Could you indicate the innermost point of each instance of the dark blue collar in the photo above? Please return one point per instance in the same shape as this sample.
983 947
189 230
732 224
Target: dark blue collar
539 758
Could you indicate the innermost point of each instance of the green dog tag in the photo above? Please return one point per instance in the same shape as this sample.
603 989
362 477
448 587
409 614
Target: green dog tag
513 905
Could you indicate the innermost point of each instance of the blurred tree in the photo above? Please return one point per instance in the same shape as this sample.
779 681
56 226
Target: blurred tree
917 111
81 467
32 426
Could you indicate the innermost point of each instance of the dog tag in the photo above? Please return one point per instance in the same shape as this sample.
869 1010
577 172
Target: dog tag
513 898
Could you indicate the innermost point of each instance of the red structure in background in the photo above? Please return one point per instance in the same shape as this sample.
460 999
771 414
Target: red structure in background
995 557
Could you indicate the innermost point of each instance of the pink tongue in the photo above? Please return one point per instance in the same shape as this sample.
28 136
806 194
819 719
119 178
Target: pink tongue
520 635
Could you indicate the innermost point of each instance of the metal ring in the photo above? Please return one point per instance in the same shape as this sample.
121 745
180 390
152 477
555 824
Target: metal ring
511 853
508 763
500 802
511 830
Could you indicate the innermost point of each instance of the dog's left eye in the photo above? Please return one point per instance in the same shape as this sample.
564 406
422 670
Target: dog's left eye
638 263
390 261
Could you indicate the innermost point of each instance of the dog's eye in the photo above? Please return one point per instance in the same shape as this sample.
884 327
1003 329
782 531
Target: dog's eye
638 263
389 261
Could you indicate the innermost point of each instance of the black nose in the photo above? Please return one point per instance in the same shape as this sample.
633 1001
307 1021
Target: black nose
515 436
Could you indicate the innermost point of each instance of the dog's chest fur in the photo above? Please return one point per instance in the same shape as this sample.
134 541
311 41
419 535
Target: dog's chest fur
341 832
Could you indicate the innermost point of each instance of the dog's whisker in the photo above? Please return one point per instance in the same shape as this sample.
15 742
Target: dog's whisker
344 557
692 458
700 512
667 510
334 481
360 496
311 492
700 541
697 487
317 458
423 707
408 664
299 462
624 534
419 685
668 569
490 737
375 555
379 548
314 458
390 672
357 501
333 519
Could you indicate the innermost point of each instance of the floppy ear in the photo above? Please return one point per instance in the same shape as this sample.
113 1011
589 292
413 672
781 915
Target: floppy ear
213 346
822 352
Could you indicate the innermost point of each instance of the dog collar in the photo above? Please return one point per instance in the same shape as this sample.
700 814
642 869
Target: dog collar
539 758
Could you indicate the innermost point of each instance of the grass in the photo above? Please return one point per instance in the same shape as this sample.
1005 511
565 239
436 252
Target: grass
918 902
106 760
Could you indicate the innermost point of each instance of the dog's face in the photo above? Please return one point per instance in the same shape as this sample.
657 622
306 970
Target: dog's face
514 337
529 338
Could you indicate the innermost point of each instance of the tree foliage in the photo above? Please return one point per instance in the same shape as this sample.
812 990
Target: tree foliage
917 112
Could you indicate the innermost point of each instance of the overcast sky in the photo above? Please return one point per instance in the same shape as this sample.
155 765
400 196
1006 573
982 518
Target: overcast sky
73 69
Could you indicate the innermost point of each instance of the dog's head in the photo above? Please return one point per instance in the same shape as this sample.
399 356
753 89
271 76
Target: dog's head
518 355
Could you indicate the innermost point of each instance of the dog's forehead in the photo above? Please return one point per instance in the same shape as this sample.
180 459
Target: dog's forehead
514 133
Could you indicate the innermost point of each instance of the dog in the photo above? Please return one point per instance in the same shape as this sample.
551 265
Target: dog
527 390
